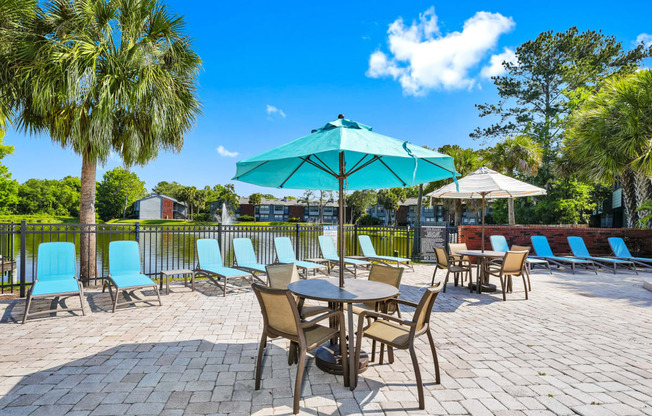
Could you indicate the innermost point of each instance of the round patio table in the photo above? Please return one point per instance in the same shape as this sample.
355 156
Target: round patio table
354 291
484 256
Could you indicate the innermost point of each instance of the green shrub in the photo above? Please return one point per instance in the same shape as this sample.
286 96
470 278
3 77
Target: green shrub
245 218
367 219
294 219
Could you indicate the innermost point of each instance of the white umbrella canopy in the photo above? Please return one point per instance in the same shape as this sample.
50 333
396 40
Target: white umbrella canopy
484 184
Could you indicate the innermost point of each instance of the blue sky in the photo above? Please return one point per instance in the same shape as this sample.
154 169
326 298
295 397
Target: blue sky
272 71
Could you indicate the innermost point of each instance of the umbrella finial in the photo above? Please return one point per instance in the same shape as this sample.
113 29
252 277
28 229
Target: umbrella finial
341 116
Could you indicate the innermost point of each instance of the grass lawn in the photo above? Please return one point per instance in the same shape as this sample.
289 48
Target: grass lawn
39 219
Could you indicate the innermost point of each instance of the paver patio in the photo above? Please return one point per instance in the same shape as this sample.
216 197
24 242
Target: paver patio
582 344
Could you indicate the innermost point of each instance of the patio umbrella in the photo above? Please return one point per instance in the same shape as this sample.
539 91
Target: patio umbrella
345 154
486 183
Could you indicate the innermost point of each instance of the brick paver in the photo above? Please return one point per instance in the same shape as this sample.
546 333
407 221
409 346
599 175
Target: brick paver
581 345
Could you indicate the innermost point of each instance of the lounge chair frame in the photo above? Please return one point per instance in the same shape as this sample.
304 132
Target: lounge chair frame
302 265
214 276
564 261
602 262
257 267
334 260
28 300
499 243
645 264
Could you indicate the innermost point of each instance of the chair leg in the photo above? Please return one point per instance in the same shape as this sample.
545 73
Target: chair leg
224 294
502 286
28 303
524 285
527 273
434 356
448 272
417 373
297 387
390 354
432 282
259 361
158 294
382 353
81 298
345 358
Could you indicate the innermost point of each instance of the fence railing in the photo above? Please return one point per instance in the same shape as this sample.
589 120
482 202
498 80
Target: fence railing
165 247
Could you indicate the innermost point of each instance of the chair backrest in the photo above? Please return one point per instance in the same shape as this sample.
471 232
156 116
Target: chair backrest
55 261
499 243
208 253
284 251
442 257
513 261
424 308
619 247
577 246
541 246
386 274
279 310
244 251
327 246
124 258
521 248
366 246
453 248
281 275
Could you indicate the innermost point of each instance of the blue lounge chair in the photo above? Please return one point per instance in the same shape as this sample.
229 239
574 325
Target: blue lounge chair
125 273
579 250
369 253
56 275
285 254
543 251
499 243
329 252
621 251
245 257
209 264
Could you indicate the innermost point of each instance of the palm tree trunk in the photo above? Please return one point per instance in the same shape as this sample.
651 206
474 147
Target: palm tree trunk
643 194
88 266
510 211
629 198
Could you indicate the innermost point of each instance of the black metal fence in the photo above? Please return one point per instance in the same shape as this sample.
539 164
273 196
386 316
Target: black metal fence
165 247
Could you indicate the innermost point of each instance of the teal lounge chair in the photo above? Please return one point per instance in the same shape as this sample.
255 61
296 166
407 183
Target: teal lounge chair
499 243
56 275
543 251
369 253
285 254
621 251
209 264
329 252
579 250
245 257
125 273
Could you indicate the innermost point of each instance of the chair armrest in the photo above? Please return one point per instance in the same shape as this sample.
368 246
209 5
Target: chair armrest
402 302
383 316
318 318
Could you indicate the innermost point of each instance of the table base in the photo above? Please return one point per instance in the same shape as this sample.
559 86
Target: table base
486 287
329 360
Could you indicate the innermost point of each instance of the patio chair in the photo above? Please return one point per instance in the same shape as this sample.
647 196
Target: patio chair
281 318
279 276
513 265
209 264
527 270
451 264
499 243
621 251
329 252
56 276
125 273
401 333
245 257
578 247
453 248
285 254
543 251
369 253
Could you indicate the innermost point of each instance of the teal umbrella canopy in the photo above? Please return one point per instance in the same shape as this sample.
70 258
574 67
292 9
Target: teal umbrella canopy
370 161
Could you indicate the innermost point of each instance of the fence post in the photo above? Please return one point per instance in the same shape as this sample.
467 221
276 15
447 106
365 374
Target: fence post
407 251
137 231
296 240
355 239
219 238
23 260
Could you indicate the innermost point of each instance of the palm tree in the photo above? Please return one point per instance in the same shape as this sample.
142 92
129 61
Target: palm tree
107 75
609 138
520 154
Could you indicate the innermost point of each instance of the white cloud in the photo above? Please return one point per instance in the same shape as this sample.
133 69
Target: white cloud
645 38
422 58
273 110
225 153
495 67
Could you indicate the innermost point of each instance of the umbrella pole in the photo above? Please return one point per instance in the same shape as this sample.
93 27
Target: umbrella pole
340 220
483 209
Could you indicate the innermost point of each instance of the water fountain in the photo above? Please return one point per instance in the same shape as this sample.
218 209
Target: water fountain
227 219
